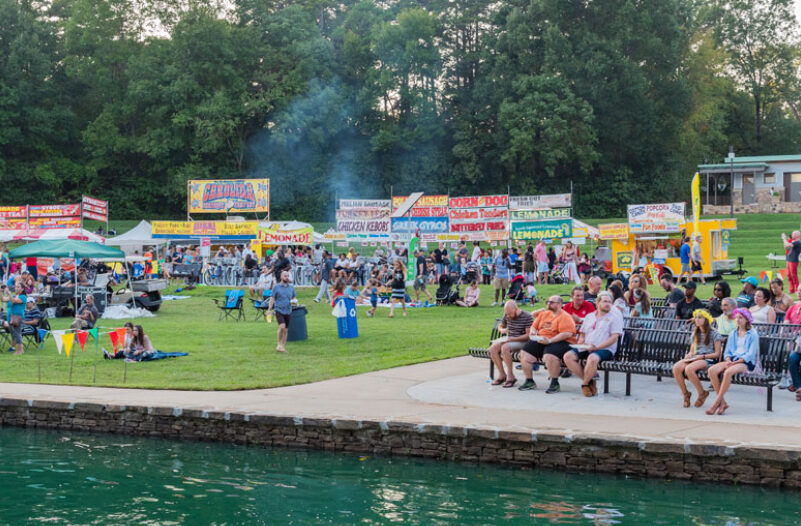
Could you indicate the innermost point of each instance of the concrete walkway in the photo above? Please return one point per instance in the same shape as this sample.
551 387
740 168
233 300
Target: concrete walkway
456 392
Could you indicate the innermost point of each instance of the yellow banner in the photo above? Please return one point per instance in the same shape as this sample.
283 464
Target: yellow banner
696 197
274 235
228 195
614 231
219 229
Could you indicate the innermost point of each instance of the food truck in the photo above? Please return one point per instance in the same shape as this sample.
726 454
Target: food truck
652 238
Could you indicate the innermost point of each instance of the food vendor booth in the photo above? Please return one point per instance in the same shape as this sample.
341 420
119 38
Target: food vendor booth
651 239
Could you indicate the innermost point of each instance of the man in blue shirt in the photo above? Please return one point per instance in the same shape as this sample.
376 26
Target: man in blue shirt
281 303
684 255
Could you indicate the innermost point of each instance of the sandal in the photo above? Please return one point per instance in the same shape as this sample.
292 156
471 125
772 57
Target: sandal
687 397
798 395
510 383
701 398
722 408
498 381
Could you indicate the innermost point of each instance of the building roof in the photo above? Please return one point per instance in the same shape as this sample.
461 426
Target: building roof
738 167
767 159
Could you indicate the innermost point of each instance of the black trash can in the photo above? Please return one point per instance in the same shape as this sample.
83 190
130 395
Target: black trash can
297 324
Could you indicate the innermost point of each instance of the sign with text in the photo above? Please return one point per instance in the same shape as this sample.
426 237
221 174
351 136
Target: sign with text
374 226
13 212
54 222
613 231
225 230
535 230
538 215
426 225
228 195
471 215
275 235
432 202
362 214
533 202
365 203
94 209
54 210
664 217
482 201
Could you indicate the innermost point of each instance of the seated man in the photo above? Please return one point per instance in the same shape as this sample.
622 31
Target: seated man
685 308
87 314
601 330
578 309
745 300
514 325
593 288
265 282
32 317
556 331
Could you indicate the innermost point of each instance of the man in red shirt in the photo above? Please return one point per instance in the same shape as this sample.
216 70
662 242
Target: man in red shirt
578 308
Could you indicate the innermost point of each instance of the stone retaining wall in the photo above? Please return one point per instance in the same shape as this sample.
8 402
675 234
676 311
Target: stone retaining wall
672 460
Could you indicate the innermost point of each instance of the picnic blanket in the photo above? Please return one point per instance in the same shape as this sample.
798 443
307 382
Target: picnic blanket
158 355
123 312
174 297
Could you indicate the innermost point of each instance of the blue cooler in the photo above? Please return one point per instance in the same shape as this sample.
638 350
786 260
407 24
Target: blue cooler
346 326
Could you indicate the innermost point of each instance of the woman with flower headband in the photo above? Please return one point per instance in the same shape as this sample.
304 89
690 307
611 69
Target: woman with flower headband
704 352
741 355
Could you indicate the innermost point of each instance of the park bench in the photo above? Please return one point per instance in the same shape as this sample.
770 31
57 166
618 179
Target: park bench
650 347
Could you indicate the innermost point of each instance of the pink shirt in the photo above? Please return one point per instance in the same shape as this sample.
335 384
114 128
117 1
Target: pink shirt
539 251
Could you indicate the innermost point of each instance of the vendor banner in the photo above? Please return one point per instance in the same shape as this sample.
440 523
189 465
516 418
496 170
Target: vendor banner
228 195
275 235
372 226
538 215
473 215
13 212
534 230
482 201
365 203
54 210
425 225
533 202
94 208
664 217
362 214
480 226
614 231
54 222
434 204
220 230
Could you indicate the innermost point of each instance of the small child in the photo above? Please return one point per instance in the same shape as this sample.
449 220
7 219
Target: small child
372 285
532 292
352 290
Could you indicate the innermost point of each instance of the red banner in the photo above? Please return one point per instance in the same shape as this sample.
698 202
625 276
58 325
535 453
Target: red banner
13 212
481 201
94 209
54 222
54 210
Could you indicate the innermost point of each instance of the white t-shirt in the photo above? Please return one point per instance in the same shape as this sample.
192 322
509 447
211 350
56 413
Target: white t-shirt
597 330
476 254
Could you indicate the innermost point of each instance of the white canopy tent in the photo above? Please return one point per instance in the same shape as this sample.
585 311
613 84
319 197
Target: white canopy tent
141 234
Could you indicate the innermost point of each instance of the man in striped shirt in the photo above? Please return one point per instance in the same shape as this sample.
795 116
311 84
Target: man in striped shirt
515 326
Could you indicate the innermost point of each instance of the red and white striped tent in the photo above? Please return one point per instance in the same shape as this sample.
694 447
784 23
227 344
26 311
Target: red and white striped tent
50 234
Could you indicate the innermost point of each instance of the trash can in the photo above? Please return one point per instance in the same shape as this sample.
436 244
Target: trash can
297 324
346 325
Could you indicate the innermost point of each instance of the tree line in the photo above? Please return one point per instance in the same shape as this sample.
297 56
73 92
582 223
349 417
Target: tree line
127 100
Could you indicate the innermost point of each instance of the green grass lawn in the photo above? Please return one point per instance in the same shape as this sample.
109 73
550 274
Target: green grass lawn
229 355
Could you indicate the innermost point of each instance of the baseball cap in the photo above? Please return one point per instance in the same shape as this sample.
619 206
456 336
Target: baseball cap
690 285
752 280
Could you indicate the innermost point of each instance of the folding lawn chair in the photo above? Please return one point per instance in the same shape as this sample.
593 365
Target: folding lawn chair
232 307
32 339
262 305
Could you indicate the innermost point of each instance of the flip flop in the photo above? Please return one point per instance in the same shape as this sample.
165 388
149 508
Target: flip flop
510 383
499 381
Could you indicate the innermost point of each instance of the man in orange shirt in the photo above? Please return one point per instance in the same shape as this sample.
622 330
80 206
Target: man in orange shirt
552 333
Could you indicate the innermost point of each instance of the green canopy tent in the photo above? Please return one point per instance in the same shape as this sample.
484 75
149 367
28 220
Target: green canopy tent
66 248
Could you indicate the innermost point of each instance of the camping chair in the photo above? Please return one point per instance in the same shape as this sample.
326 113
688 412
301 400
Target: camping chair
33 339
262 305
232 305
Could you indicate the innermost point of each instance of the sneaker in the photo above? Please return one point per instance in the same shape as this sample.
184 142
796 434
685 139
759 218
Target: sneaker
593 387
565 373
529 385
535 367
785 383
369 315
316 300
106 355
553 388
494 304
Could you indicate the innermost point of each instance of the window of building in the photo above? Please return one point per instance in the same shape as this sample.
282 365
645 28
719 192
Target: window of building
770 178
795 177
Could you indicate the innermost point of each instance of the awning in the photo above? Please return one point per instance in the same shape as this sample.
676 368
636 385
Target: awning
141 234
51 234
66 248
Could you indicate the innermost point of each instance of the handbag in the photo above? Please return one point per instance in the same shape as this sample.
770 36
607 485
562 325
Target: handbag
16 320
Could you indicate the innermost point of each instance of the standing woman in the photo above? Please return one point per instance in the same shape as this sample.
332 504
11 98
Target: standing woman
637 282
742 353
761 311
704 351
501 265
542 262
486 267
15 311
781 300
398 287
529 266
569 257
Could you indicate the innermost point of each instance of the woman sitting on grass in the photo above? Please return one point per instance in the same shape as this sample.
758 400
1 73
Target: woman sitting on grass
124 346
471 295
704 352
141 350
742 353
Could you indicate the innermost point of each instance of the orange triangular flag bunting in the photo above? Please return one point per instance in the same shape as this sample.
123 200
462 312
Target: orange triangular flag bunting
121 337
82 337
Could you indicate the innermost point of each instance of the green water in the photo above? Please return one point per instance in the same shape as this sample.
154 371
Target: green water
68 478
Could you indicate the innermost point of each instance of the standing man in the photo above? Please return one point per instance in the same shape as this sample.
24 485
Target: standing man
601 330
421 275
684 257
476 255
793 247
281 303
281 264
697 260
439 253
326 269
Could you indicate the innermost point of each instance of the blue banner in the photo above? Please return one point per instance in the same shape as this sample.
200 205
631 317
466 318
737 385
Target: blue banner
426 225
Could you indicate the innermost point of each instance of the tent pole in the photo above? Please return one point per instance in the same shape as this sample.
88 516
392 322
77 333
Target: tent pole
94 376
72 358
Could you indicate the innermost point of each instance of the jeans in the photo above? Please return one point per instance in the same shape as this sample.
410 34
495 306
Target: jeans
795 369
440 267
323 291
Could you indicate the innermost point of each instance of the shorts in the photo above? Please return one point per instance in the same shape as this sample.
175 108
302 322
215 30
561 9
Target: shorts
282 319
537 350
420 283
514 346
696 266
501 283
16 333
374 302
603 354
542 267
685 267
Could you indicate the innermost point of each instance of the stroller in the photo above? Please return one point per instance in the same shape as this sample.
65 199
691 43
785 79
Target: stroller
517 288
471 272
446 293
